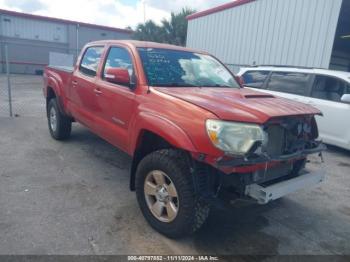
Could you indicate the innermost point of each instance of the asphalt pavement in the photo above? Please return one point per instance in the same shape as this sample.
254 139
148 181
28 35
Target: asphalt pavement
73 198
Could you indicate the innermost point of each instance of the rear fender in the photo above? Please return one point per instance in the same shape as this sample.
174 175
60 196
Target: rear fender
55 85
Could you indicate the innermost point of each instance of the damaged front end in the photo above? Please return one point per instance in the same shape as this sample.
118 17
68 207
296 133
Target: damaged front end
274 166
288 138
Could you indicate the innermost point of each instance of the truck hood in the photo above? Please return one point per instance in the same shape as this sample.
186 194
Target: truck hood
243 105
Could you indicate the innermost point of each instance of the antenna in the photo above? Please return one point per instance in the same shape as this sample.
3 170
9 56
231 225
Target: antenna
144 10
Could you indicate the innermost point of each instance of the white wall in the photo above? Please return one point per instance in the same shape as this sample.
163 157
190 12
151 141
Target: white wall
270 32
24 28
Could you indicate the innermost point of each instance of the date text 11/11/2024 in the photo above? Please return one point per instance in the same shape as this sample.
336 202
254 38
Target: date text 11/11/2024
173 258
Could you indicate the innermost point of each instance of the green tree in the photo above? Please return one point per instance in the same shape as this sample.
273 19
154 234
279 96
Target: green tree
176 28
172 31
149 31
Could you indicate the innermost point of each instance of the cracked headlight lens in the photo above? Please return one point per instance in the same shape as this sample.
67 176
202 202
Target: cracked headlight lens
233 137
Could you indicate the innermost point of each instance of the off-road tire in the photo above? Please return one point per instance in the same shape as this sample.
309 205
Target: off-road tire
63 123
192 211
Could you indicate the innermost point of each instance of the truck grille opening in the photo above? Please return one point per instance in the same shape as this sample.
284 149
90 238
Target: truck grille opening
276 143
289 135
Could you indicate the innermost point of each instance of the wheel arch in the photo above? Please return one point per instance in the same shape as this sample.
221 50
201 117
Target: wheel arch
52 93
156 133
53 90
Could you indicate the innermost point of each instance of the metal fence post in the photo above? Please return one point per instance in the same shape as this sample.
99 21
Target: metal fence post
8 80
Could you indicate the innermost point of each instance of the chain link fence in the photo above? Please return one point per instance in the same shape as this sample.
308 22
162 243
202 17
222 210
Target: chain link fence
4 100
25 63
20 94
26 96
5 97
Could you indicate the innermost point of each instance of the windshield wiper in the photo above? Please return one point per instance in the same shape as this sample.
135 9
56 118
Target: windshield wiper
189 85
217 85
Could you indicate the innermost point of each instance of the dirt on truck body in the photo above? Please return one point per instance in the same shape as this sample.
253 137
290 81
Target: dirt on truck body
194 134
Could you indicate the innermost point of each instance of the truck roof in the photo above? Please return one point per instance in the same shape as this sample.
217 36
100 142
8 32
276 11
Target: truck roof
146 44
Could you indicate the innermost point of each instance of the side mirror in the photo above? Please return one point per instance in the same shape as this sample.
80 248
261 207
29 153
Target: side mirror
345 98
118 76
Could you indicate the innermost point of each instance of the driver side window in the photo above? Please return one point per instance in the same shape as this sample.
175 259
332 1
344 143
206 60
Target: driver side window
329 88
119 57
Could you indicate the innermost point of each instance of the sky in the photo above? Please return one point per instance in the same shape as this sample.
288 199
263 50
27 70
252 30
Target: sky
115 13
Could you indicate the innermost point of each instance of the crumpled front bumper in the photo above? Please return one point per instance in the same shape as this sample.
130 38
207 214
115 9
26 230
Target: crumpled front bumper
264 158
264 194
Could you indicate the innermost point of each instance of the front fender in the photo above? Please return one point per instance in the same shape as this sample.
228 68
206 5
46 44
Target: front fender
159 125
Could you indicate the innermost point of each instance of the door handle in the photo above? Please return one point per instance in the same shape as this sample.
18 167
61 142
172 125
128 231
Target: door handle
74 83
97 91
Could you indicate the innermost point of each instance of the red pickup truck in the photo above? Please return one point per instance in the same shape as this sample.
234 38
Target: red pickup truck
194 134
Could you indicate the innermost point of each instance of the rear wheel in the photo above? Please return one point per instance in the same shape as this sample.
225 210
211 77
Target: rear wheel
166 195
60 126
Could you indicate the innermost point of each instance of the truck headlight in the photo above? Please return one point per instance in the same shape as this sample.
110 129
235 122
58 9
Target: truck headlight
233 137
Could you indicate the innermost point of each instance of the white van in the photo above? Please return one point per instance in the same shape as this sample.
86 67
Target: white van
327 90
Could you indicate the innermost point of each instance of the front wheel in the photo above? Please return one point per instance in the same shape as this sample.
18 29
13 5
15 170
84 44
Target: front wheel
60 126
166 195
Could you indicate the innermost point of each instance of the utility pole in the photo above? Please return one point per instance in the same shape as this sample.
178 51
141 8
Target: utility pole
144 11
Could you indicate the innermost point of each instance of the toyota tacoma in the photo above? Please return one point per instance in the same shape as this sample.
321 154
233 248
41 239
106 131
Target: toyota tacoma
196 137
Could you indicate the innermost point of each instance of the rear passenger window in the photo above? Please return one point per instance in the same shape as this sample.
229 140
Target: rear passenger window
329 88
289 82
90 60
255 79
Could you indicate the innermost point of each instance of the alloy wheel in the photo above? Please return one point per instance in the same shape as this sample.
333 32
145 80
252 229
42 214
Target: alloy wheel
161 196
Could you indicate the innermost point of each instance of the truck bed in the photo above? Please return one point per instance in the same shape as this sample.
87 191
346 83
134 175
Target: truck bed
60 74
68 69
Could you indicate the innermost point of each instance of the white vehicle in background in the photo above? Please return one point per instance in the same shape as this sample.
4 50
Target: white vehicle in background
327 90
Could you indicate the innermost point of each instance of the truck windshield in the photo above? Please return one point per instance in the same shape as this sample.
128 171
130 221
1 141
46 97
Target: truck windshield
173 68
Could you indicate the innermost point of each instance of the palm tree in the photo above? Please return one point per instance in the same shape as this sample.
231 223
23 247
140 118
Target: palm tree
176 27
173 31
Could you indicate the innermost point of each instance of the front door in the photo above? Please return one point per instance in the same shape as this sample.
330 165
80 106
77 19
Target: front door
334 126
116 101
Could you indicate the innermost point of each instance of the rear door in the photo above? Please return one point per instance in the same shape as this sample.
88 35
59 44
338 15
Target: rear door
82 95
334 126
291 85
